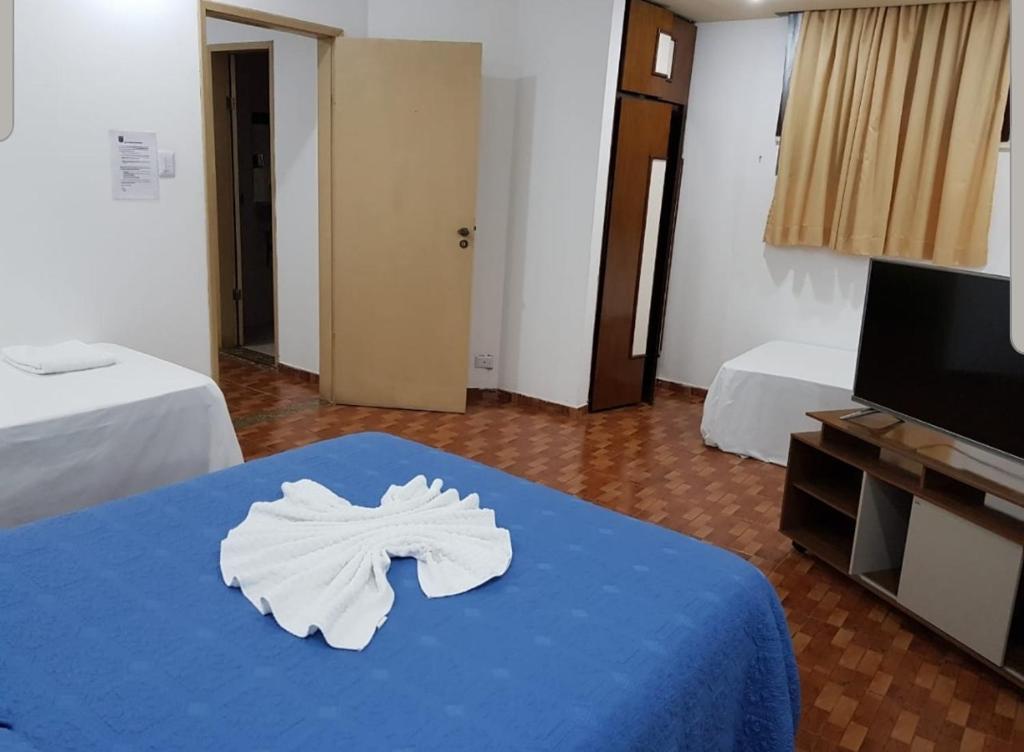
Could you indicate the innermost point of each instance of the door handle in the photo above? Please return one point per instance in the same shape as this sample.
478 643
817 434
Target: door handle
464 232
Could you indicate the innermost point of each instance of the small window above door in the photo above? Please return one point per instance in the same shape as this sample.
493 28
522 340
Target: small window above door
664 55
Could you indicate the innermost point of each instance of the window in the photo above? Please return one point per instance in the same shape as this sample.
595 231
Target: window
881 137
793 37
791 40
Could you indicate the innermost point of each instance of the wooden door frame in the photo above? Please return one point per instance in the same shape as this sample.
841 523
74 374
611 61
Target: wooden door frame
326 37
223 202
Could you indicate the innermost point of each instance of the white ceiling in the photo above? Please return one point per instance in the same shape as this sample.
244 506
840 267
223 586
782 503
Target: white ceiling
732 10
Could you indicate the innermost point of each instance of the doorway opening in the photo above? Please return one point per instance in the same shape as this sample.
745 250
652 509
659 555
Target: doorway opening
218 172
408 128
243 143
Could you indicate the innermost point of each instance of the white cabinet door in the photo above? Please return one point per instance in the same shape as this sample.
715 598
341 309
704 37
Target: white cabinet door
961 578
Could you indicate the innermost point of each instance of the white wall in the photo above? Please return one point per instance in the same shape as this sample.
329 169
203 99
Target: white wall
728 292
559 180
73 262
493 23
295 155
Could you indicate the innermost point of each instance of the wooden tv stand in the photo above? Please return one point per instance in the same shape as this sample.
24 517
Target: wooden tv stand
909 514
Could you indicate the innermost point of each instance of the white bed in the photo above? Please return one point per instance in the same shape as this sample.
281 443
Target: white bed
762 396
72 440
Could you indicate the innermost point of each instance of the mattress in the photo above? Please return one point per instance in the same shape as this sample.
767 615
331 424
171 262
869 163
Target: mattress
72 440
761 397
606 633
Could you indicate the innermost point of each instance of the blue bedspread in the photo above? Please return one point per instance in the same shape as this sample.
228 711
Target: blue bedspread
116 632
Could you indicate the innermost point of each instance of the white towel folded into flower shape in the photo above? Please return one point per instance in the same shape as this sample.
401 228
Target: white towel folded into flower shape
317 562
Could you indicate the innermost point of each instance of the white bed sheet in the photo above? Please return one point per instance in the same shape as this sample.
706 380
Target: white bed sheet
760 397
72 440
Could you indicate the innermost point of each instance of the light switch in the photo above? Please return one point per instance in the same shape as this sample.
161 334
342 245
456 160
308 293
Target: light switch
165 160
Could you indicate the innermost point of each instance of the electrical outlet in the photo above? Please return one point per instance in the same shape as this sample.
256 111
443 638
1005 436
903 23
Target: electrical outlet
484 362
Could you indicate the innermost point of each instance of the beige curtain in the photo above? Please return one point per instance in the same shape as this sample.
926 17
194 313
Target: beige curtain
891 131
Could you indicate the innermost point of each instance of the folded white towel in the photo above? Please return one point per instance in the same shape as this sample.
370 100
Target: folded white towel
61 358
317 562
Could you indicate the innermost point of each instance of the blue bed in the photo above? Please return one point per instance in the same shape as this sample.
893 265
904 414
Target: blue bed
606 633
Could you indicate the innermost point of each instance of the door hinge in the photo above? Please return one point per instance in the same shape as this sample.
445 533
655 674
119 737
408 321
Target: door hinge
236 294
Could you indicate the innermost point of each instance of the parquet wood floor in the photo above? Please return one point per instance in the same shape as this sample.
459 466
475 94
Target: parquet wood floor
871 678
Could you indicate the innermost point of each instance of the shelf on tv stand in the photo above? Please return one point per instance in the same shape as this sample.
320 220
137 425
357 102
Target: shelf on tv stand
886 579
827 545
929 449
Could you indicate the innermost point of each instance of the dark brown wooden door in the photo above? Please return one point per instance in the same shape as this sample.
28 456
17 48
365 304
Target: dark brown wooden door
637 229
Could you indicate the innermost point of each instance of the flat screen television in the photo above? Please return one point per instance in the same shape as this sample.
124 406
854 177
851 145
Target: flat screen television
935 348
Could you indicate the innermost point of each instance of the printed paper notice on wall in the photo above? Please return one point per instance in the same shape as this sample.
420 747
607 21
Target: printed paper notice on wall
6 68
133 166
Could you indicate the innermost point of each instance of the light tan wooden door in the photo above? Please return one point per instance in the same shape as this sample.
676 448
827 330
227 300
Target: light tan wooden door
406 116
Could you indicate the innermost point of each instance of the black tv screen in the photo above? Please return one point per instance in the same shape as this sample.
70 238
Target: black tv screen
935 348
